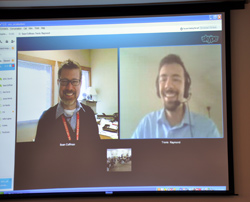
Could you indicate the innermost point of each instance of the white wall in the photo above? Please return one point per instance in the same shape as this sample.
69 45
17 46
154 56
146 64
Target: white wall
80 56
104 64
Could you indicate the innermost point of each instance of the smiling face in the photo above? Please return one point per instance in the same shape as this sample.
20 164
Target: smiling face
69 93
171 86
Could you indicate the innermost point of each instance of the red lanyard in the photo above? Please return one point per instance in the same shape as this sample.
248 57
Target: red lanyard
77 126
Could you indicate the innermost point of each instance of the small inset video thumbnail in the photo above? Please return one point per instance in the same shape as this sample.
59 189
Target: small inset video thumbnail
119 160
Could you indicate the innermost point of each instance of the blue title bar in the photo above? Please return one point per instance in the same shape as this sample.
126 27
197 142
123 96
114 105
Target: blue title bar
110 21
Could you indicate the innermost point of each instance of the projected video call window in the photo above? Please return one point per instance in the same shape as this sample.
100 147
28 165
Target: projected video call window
105 105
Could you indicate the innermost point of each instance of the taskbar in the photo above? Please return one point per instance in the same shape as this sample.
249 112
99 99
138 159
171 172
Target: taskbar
112 190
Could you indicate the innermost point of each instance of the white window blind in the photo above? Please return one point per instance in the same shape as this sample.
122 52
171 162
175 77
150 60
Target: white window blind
85 84
34 90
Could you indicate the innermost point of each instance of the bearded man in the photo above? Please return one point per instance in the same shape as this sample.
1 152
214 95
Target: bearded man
174 120
64 149
68 121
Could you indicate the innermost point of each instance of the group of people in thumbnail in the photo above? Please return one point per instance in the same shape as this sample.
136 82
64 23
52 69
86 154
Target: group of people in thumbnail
174 120
113 161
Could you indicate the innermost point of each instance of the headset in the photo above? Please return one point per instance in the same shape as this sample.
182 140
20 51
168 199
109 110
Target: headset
170 59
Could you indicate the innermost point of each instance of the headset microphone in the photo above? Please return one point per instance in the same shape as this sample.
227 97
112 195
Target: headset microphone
188 98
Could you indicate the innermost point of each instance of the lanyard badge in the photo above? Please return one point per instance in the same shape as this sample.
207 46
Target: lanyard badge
77 126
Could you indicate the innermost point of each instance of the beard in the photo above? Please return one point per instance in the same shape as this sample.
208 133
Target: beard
66 101
172 105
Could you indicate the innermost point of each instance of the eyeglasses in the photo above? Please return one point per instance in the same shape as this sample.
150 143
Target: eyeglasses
65 82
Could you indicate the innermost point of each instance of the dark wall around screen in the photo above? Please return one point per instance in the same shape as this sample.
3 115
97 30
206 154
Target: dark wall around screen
240 57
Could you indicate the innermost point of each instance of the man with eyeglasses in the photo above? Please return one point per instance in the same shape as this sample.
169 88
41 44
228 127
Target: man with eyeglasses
67 135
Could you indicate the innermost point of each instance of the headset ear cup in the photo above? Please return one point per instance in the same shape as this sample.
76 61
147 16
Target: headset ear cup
187 85
186 91
157 87
158 92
